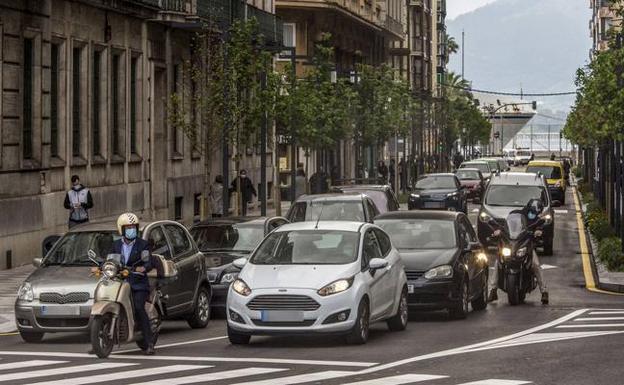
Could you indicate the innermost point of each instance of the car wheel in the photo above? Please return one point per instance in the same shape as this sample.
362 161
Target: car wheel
237 338
480 303
399 321
460 311
201 311
359 333
31 337
548 246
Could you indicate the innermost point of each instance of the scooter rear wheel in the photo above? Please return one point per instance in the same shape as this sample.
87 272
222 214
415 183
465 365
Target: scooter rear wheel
101 342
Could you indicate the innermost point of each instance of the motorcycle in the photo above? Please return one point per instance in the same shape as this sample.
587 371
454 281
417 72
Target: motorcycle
516 242
112 315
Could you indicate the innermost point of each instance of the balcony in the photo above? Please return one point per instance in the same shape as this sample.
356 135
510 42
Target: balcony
271 27
394 26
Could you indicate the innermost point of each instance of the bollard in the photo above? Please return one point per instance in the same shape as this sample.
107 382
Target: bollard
9 259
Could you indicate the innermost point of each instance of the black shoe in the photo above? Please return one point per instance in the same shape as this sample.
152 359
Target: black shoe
149 351
545 298
493 295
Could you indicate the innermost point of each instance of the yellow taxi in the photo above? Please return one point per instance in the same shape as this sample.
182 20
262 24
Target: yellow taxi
554 174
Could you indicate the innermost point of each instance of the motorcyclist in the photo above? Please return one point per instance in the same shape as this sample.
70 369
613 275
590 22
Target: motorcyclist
531 211
132 249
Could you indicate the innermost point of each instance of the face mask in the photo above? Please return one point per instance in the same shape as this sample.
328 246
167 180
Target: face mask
532 216
77 186
243 176
130 233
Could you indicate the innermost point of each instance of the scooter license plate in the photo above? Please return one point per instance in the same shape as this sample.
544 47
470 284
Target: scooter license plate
410 289
281 316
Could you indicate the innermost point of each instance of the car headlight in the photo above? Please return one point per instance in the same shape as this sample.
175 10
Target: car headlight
241 287
521 252
25 292
228 277
109 270
484 217
506 252
547 219
336 287
415 196
444 271
452 195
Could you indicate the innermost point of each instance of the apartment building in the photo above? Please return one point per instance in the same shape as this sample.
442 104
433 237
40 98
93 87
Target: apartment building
603 19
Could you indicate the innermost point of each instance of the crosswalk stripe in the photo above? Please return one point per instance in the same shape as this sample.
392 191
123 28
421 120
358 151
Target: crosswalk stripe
590 326
599 319
301 378
215 376
497 382
614 312
28 364
61 371
125 375
399 380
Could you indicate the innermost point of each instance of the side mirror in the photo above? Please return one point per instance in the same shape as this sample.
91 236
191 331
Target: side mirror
240 263
377 264
556 204
37 262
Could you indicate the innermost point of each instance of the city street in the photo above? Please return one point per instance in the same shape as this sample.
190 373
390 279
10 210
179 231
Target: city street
576 339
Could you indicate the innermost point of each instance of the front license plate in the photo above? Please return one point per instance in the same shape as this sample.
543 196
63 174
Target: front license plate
410 289
433 205
60 310
281 316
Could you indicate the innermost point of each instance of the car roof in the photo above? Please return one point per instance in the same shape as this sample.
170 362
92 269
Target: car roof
517 178
438 174
553 163
469 169
231 221
348 196
323 225
112 226
420 214
360 187
475 162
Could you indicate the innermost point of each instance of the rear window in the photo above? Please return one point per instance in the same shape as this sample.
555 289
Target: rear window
335 211
467 175
433 182
483 167
514 196
549 172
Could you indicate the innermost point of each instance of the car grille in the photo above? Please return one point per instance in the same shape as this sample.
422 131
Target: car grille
413 275
78 297
283 302
63 322
308 322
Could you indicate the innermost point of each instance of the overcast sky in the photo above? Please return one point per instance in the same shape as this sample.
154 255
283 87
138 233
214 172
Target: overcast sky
455 8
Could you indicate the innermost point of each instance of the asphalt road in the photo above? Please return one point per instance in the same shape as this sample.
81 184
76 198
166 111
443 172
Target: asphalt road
577 339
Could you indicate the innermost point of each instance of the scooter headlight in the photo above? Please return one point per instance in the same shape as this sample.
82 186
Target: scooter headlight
506 252
484 217
110 270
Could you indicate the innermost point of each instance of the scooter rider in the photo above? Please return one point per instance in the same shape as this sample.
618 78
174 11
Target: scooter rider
531 211
132 248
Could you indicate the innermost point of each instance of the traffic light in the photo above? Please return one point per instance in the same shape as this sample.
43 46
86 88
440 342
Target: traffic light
496 135
534 105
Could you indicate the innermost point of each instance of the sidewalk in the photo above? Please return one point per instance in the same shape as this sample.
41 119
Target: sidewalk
10 281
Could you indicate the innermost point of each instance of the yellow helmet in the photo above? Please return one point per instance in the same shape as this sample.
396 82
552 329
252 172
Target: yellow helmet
126 219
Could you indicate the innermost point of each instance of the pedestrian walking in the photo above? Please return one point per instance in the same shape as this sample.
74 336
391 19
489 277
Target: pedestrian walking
247 190
382 172
78 201
318 182
216 197
392 172
402 174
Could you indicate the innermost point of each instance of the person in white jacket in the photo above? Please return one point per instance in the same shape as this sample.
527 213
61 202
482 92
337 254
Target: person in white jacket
78 201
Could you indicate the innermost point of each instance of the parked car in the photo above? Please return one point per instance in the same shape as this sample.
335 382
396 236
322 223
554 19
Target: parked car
474 183
554 174
224 240
510 191
439 192
382 195
58 295
523 157
481 165
355 207
319 277
446 266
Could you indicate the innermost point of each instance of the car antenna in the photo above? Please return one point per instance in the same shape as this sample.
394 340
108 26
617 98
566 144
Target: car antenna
319 218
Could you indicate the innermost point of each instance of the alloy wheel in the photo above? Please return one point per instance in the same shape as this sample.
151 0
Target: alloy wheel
203 307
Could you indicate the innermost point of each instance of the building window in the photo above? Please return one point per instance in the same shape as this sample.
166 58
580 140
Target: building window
197 205
95 105
76 102
27 129
133 104
178 208
176 90
54 99
115 104
290 37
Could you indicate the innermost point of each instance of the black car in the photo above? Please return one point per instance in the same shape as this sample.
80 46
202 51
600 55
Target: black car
224 240
439 192
445 264
382 195
356 207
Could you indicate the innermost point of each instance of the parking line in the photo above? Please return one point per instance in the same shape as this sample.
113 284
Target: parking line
215 376
600 319
590 326
61 371
398 380
609 312
29 364
497 382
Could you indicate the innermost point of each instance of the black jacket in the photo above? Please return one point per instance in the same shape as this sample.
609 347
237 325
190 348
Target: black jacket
137 281
247 188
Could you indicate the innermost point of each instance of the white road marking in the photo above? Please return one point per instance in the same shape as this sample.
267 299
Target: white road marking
561 211
590 326
301 378
547 267
496 382
117 375
61 371
399 380
215 376
174 344
29 364
614 312
537 338
599 319
195 359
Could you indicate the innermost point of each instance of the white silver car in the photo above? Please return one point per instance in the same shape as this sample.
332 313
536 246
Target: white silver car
327 277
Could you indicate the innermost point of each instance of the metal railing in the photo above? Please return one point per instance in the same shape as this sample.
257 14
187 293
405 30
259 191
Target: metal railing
393 25
271 27
170 5
215 11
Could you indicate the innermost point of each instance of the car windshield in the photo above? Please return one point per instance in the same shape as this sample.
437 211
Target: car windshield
379 198
238 237
73 248
308 247
436 182
335 211
514 196
483 167
467 175
549 172
516 225
523 153
410 234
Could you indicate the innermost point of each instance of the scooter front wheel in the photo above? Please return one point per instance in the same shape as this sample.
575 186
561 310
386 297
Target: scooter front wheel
101 341
513 289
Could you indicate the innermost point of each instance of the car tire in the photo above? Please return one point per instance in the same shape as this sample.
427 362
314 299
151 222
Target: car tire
548 246
460 311
399 321
359 333
31 337
480 303
237 338
200 317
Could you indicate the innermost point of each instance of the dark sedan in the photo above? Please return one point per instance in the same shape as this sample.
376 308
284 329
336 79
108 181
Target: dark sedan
445 264
439 192
224 240
474 183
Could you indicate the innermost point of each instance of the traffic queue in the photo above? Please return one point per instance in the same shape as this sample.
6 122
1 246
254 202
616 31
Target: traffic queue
336 263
